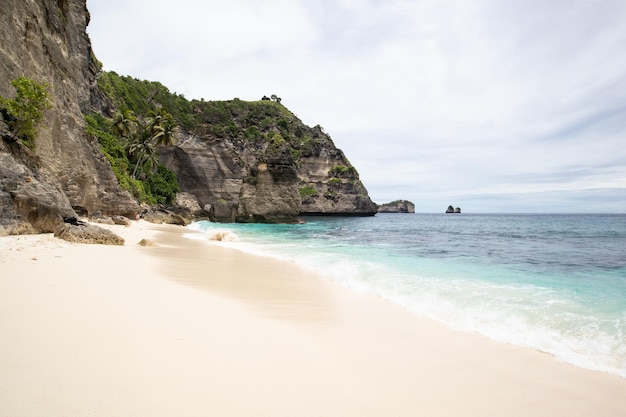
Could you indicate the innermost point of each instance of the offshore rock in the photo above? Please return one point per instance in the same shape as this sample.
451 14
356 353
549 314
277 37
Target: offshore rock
398 206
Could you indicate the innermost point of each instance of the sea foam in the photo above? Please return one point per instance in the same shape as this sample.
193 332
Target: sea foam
556 284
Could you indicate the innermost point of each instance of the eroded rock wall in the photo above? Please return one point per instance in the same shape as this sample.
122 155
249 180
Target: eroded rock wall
257 162
46 40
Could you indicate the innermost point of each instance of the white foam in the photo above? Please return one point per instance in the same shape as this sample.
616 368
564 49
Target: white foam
217 235
531 316
222 236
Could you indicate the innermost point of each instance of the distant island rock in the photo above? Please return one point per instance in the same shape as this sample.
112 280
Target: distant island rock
453 210
398 206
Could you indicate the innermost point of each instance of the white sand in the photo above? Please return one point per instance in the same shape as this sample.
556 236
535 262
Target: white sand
192 329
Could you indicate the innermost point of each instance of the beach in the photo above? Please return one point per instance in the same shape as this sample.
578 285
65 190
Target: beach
192 328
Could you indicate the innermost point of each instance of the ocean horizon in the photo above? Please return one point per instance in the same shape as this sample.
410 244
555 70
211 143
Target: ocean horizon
555 283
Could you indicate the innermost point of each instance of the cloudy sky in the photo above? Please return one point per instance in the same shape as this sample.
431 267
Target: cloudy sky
489 105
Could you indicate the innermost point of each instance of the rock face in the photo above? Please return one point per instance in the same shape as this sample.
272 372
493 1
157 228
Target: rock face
27 203
338 189
398 206
263 165
46 40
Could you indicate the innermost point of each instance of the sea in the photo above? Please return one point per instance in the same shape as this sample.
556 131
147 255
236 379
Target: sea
555 283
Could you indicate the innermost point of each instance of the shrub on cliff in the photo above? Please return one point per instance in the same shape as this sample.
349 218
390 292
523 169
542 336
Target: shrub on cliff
163 185
342 171
308 191
26 110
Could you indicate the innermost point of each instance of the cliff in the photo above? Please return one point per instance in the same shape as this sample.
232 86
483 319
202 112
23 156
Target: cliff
257 162
45 40
234 161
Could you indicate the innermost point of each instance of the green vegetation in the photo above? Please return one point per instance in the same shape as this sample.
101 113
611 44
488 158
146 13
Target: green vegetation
26 110
143 96
238 120
127 144
255 122
252 121
342 171
163 185
396 202
148 114
148 117
124 123
308 191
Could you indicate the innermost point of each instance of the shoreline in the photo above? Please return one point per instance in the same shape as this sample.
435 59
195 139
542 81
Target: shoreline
193 328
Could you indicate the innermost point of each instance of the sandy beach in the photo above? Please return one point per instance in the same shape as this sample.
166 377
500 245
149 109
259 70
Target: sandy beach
191 328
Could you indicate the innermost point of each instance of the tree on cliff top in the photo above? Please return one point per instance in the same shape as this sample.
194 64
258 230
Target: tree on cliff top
27 109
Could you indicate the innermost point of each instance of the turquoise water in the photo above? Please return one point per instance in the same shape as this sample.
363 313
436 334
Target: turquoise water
554 283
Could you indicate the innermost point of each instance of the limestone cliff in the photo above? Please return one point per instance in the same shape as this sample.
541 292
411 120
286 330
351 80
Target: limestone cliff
249 161
235 161
46 40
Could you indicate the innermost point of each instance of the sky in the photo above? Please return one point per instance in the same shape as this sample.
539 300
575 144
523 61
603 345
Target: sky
488 105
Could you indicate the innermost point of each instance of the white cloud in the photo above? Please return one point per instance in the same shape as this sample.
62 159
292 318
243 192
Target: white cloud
432 101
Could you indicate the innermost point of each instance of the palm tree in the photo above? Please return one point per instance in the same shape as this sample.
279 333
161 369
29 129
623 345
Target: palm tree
125 123
159 131
143 149
161 127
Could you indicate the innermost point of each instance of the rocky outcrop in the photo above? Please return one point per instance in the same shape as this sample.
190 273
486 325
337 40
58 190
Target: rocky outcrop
398 206
148 243
452 210
46 40
330 185
87 233
160 216
262 164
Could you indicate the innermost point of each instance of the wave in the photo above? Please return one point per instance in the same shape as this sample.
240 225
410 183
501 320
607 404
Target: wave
518 306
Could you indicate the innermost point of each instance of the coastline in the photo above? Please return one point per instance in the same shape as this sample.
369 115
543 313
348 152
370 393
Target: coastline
192 328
